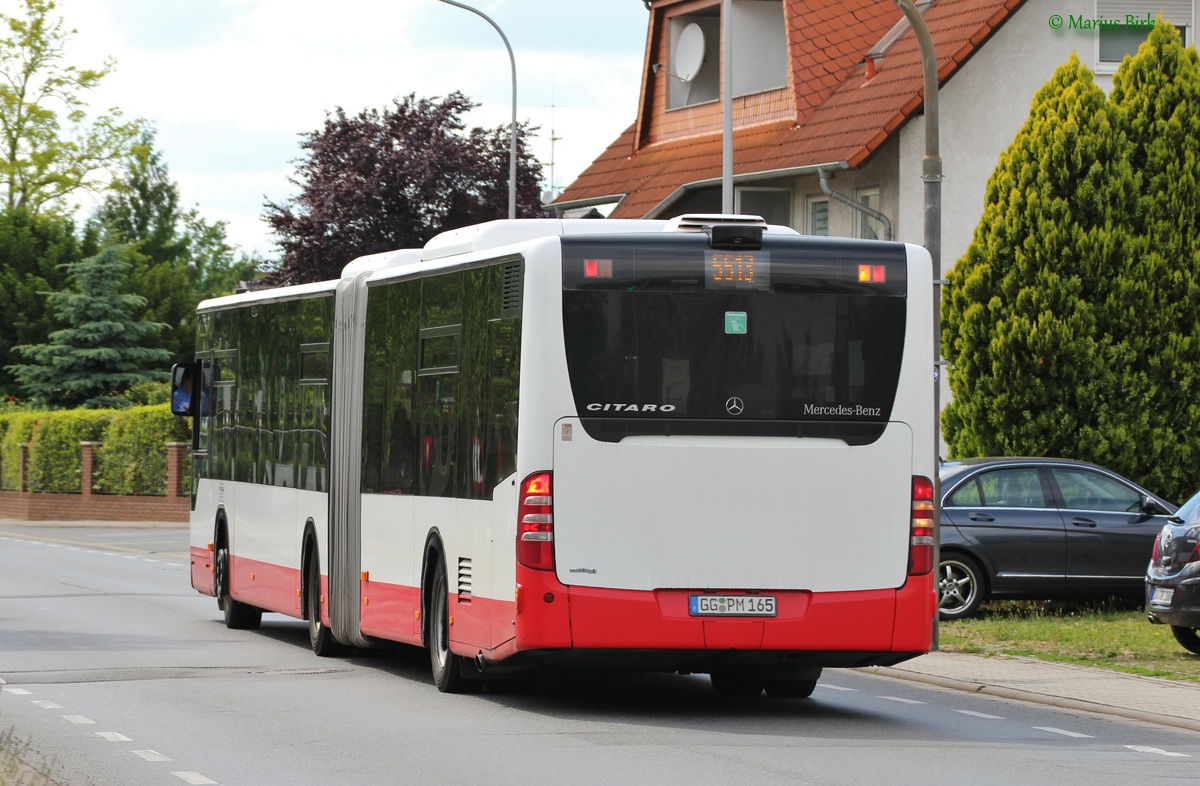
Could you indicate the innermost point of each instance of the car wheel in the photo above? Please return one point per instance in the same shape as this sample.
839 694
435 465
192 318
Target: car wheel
1187 637
960 587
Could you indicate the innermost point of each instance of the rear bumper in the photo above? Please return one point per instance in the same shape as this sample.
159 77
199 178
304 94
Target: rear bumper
1182 611
582 626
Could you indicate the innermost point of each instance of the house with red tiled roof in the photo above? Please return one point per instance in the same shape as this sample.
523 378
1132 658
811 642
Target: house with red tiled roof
828 123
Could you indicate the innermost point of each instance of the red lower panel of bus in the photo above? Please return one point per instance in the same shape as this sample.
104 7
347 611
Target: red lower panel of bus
202 570
267 586
552 616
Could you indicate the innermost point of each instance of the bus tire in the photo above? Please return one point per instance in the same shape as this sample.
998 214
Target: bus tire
736 685
447 667
319 636
793 687
238 615
961 585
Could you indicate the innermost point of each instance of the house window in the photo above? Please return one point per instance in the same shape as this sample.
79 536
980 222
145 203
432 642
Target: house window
760 60
774 205
1114 41
818 217
869 228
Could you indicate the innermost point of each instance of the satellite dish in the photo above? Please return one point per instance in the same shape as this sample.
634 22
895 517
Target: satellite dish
689 53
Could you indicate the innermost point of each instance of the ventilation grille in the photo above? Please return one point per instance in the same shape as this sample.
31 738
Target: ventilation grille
510 292
464 579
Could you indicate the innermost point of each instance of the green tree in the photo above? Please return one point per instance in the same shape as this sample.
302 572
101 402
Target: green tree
48 149
104 351
1154 306
34 250
176 257
1035 368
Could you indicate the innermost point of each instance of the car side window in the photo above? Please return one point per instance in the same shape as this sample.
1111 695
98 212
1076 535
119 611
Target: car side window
1016 487
966 496
1086 490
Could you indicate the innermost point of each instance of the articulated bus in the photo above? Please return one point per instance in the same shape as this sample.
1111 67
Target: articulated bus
703 445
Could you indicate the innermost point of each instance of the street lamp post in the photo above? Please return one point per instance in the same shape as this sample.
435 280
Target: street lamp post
512 134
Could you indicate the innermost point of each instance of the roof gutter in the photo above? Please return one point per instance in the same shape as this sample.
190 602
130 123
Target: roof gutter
561 207
771 174
860 207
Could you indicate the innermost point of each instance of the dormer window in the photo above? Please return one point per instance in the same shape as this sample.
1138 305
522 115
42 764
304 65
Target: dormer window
693 67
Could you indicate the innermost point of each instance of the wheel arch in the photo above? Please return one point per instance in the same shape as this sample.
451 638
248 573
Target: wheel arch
308 552
435 550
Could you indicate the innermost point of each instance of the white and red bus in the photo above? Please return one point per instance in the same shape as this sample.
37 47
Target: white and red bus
698 446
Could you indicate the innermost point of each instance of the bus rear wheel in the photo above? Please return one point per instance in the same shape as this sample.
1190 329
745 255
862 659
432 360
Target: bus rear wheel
736 685
319 636
446 666
238 615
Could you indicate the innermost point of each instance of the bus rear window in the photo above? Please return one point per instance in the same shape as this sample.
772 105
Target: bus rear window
803 337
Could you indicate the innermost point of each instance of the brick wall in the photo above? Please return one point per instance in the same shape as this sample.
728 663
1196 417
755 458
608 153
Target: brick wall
27 505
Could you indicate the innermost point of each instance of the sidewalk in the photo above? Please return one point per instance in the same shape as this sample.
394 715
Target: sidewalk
1149 699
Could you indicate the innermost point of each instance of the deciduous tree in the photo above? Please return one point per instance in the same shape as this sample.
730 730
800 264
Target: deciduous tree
383 180
48 148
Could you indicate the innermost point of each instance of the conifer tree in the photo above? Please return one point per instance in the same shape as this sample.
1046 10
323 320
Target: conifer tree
1154 307
1023 320
103 351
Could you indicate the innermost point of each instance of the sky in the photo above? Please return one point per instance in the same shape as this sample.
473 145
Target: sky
230 85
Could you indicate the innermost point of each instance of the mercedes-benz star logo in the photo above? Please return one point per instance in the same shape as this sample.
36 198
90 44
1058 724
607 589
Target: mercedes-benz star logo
734 405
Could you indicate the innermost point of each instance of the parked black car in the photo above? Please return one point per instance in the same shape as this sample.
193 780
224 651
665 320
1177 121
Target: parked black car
1042 528
1173 577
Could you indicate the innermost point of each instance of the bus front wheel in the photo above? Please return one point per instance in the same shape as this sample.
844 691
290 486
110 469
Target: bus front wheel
238 615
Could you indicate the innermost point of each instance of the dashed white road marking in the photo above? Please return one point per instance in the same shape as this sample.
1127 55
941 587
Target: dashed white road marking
47 705
19 691
836 687
114 736
81 720
193 778
1063 732
902 701
983 715
151 755
1159 751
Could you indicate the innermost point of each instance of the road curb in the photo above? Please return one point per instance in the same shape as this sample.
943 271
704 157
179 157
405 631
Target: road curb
1035 697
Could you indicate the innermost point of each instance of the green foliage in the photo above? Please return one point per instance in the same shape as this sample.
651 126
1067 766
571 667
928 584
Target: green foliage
47 148
176 257
103 351
1073 321
33 252
54 453
18 430
133 459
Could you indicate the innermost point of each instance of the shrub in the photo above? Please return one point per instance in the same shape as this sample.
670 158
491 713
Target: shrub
54 454
133 459
17 429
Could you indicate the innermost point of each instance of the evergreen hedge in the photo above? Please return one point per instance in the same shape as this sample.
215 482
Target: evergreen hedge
132 459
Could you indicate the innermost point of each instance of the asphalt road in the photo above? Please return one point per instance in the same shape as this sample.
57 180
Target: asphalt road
118 673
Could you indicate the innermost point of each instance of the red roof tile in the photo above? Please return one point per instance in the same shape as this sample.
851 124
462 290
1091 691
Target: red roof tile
839 115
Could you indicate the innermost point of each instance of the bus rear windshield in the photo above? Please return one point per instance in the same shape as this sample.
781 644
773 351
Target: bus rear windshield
803 337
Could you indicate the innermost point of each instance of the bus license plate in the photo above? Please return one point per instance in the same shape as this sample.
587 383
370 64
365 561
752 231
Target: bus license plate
1162 596
731 605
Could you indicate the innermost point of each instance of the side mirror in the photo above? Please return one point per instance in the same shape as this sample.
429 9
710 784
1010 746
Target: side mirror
1151 507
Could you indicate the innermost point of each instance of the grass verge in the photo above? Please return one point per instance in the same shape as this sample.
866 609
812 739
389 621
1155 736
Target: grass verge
1108 635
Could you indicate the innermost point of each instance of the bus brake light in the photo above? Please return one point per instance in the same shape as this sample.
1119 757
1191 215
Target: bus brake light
535 523
921 529
872 274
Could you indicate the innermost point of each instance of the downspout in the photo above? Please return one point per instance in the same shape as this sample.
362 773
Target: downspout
845 200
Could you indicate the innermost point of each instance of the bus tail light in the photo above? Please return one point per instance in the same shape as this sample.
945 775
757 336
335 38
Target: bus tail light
535 523
921 538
